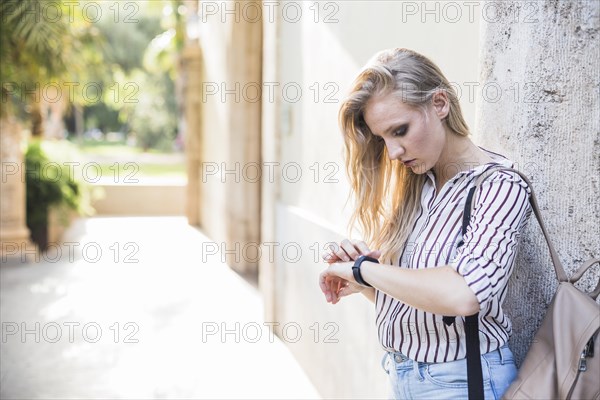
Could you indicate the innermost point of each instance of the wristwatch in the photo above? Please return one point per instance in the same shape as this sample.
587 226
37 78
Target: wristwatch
356 269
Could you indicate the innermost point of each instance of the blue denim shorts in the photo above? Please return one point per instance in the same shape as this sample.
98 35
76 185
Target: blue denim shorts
419 380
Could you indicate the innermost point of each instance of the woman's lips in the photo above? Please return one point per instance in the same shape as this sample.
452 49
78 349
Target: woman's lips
409 162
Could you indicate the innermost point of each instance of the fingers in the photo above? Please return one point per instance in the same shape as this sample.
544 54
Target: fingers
361 246
324 285
335 254
364 249
334 287
330 286
348 250
357 248
340 252
375 254
329 257
344 291
334 294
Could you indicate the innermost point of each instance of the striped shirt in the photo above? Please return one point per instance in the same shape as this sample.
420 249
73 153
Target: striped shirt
485 260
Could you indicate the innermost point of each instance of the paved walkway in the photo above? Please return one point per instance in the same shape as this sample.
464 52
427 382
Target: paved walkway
94 323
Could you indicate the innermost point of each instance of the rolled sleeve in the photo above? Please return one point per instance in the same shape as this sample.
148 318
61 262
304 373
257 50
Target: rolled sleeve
487 255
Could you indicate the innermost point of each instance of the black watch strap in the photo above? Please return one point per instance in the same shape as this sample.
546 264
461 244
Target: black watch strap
356 269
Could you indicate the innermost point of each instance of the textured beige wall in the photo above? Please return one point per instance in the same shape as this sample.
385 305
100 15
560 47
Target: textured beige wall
230 144
215 126
162 198
550 128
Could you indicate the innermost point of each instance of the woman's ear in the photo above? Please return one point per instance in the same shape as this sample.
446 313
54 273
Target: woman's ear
441 104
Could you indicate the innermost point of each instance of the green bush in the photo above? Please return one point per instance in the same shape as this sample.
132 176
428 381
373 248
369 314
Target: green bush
47 184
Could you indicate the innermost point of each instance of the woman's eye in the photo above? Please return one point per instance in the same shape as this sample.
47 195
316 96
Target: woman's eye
400 131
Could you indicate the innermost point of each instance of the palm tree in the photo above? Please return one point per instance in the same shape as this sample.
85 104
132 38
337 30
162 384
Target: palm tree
37 48
30 53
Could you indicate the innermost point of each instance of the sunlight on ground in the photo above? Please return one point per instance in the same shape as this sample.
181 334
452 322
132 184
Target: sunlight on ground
138 297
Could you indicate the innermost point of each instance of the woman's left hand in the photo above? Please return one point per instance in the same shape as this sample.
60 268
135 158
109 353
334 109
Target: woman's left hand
340 273
340 282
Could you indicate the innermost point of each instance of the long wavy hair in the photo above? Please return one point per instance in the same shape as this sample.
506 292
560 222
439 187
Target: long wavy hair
387 193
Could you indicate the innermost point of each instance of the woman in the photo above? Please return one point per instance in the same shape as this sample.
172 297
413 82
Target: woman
411 163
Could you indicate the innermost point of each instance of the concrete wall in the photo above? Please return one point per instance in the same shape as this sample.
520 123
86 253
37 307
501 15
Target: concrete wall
550 128
230 129
162 198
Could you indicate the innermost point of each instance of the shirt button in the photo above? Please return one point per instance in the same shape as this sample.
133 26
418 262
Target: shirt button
398 358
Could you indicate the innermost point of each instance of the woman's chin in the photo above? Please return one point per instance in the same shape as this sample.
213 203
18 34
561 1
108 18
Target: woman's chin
417 167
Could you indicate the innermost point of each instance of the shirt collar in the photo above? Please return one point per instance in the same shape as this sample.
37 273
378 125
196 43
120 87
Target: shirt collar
478 170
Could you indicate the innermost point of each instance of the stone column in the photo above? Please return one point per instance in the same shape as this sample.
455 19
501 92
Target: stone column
539 105
191 60
269 193
243 138
14 235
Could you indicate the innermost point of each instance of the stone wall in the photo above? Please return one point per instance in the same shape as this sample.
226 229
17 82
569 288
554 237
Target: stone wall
229 144
542 58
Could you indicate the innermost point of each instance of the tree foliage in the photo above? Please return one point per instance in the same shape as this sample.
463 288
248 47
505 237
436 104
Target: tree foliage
130 60
38 46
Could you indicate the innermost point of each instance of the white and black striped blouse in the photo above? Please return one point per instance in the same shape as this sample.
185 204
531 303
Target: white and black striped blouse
485 260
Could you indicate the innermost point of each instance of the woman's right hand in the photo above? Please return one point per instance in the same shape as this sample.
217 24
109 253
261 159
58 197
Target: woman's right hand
347 250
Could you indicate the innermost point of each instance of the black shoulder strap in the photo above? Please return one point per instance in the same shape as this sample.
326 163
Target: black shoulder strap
467 214
474 372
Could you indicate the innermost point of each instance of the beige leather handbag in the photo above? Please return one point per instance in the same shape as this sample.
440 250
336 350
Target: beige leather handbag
563 361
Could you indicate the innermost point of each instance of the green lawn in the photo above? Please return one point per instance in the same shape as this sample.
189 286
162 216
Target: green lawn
127 172
107 148
104 149
119 161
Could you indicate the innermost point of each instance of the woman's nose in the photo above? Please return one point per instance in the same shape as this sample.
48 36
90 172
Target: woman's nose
395 151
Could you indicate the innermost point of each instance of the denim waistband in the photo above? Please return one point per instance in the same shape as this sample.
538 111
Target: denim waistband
398 357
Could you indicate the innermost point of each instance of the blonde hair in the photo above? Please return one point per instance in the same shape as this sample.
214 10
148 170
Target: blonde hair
387 212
